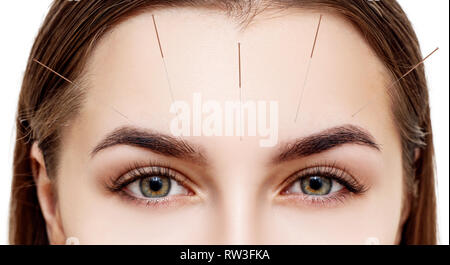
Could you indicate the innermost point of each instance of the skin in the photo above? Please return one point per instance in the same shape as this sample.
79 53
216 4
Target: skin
236 194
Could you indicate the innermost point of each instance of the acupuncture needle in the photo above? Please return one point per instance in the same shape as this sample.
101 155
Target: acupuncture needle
307 69
75 85
240 92
163 59
394 83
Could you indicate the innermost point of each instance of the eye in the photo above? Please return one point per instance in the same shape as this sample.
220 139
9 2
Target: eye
315 186
324 184
156 187
150 183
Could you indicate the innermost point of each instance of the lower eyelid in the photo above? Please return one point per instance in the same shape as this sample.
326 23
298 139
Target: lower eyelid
161 202
325 201
332 200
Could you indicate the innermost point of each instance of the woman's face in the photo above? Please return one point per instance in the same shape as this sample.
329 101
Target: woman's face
328 176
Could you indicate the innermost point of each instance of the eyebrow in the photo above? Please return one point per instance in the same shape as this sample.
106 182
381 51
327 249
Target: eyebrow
326 140
156 142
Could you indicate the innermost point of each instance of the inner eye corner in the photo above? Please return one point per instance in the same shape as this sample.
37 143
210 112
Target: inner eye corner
284 187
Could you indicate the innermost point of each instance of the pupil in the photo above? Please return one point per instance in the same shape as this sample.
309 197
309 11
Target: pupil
315 183
155 183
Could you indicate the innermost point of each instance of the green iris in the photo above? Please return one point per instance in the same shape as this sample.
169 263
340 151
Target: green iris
316 185
156 186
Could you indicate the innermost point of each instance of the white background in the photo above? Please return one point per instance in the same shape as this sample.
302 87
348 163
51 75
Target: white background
20 20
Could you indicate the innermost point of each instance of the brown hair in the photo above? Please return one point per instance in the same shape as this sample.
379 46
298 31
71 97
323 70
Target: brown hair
72 28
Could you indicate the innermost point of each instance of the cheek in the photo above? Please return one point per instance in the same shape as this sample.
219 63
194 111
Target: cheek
94 217
375 214
356 223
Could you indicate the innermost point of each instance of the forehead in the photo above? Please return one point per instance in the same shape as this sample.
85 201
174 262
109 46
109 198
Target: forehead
130 82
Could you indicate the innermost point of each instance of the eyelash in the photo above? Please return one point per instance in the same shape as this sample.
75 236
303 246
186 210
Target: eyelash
334 173
137 171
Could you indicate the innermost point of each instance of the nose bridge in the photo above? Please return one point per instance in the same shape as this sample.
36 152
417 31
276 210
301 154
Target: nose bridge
239 203
238 189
